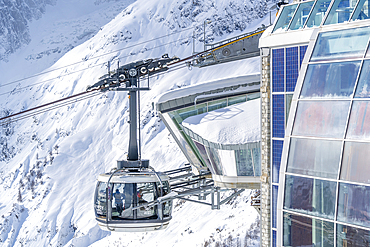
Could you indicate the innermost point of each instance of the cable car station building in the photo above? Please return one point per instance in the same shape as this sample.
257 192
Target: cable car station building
315 133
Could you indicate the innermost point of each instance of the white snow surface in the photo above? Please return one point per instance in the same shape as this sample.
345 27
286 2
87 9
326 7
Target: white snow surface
235 124
50 162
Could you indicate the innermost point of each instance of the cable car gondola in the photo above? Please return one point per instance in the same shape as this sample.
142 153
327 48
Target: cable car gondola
131 198
126 199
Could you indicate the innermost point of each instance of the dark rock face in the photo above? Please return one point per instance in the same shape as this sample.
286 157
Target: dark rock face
14 18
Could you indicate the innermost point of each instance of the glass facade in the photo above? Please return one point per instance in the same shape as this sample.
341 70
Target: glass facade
326 195
308 14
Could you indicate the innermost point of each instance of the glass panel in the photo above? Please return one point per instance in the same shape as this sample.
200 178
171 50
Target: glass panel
278 129
354 204
100 204
288 103
277 148
167 206
253 96
321 118
301 15
310 196
363 85
256 152
244 163
291 68
217 104
318 158
146 193
190 111
340 11
203 153
273 238
359 121
129 198
278 70
304 231
274 204
215 160
362 11
236 100
302 52
348 236
330 80
318 13
350 43
285 17
355 165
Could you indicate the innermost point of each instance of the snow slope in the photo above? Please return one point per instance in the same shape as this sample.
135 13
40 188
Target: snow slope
49 163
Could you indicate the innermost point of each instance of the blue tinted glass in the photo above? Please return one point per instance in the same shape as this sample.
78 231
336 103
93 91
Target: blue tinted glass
318 13
354 204
330 80
361 11
274 204
348 236
278 116
350 43
310 196
321 118
291 68
340 11
277 149
301 15
314 157
300 231
363 85
285 17
278 70
273 238
302 52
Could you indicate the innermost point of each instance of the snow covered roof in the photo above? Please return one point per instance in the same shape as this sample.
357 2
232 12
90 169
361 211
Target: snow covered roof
199 93
235 124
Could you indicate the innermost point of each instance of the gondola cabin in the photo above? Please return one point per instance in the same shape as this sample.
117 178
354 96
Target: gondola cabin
126 200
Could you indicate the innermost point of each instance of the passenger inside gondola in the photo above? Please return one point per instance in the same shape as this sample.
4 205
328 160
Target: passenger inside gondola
118 196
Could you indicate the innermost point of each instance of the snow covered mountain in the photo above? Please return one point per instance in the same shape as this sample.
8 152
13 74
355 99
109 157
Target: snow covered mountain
49 163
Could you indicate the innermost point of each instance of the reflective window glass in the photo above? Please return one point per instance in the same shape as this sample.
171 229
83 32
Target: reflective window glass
310 196
355 164
348 236
319 158
285 17
256 153
361 11
349 43
288 103
236 100
301 15
318 13
354 204
275 190
321 118
303 231
277 149
363 85
203 153
244 163
100 204
217 104
359 121
340 11
215 160
291 68
253 96
146 193
334 80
